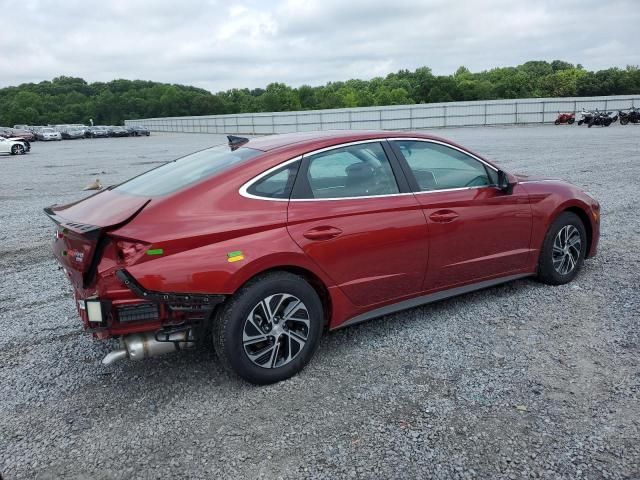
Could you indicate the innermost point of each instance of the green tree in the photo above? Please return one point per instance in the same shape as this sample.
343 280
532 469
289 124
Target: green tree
67 99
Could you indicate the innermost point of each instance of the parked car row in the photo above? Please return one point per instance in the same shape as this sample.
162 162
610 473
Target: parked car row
71 132
596 117
17 133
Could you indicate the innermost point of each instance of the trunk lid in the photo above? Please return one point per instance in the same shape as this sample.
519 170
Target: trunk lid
81 225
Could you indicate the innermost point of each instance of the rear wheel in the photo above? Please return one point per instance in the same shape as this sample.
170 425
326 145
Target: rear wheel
563 250
269 330
557 122
624 120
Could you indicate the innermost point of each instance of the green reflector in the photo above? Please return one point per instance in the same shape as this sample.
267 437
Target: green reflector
237 253
155 251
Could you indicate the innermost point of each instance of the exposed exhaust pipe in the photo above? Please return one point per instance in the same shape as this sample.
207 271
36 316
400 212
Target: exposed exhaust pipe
138 346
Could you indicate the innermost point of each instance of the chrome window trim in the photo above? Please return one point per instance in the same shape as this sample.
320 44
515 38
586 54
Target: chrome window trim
243 189
342 145
428 140
458 189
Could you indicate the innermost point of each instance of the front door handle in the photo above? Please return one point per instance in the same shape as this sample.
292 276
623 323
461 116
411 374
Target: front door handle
322 233
443 216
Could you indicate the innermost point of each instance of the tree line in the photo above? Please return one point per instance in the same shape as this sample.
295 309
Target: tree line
73 100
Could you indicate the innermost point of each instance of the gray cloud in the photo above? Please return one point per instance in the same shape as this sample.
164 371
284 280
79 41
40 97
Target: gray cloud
224 44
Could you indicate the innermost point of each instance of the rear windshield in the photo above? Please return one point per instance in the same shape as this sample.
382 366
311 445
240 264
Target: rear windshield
185 171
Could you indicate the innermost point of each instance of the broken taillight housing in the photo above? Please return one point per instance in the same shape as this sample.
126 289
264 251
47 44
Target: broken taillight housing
129 252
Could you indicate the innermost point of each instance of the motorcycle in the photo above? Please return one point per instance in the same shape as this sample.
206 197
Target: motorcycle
585 116
569 118
632 116
602 118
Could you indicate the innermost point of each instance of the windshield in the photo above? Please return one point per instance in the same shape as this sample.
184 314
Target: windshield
187 170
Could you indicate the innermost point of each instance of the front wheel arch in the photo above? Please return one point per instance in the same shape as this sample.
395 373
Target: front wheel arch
582 213
547 270
584 217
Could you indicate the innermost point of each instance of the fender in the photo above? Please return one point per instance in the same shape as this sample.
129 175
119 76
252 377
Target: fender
549 196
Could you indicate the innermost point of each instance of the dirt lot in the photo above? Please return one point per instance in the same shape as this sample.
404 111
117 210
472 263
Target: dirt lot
518 381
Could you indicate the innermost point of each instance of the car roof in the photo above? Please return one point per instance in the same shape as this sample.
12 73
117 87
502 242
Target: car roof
319 139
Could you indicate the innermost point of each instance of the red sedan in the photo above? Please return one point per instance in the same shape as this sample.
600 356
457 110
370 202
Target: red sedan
264 244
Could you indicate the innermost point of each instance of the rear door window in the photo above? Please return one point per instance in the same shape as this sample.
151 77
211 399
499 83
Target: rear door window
177 174
353 171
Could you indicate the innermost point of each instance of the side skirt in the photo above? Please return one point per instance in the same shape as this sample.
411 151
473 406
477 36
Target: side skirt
429 298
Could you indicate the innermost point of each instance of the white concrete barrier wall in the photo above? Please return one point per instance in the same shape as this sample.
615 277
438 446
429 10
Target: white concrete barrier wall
393 117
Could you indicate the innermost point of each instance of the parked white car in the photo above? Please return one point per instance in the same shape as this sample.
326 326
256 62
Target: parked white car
14 147
48 134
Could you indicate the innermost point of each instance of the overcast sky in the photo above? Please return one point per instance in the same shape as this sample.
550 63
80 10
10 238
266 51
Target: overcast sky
224 44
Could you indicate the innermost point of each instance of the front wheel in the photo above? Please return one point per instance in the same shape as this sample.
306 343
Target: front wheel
269 330
571 121
17 150
624 120
563 250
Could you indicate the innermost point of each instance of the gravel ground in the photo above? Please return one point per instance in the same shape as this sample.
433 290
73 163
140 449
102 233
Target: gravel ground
517 381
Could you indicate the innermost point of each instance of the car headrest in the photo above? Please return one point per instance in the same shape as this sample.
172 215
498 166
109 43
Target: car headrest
359 172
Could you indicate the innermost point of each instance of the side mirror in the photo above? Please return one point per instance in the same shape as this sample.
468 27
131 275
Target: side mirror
503 182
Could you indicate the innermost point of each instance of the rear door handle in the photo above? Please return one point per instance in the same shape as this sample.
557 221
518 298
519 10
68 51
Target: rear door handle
443 216
322 233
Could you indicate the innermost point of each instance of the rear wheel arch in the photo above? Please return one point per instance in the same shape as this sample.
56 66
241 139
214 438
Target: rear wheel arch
310 277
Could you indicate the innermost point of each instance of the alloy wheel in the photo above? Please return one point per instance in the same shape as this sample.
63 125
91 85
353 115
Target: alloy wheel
276 330
566 249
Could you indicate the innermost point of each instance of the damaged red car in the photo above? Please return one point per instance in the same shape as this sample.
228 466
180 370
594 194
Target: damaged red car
262 245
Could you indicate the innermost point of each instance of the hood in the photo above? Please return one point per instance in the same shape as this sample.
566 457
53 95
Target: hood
534 178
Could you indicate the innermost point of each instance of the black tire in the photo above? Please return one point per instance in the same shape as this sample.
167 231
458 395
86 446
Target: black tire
580 122
17 150
624 120
547 272
571 121
607 122
557 122
231 321
590 124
